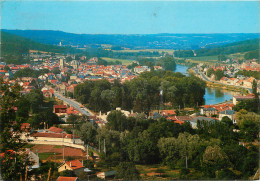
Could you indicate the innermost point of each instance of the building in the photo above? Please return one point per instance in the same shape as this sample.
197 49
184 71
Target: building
140 69
62 63
60 109
34 158
61 178
75 165
236 99
195 120
74 64
229 113
208 111
104 175
48 93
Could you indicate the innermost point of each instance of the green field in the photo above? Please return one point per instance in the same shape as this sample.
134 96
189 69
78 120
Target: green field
124 61
44 156
147 50
205 58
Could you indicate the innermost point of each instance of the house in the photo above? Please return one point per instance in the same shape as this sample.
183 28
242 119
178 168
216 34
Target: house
208 111
167 112
34 158
60 109
25 127
55 130
228 113
104 175
200 118
179 119
75 165
140 69
236 99
61 178
48 93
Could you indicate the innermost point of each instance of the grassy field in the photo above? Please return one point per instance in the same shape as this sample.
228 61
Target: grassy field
147 50
29 146
44 156
205 58
237 56
157 172
124 61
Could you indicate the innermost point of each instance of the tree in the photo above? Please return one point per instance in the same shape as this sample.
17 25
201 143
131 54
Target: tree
72 119
256 98
210 71
116 120
222 58
214 159
35 97
219 74
109 96
88 132
127 171
227 121
14 159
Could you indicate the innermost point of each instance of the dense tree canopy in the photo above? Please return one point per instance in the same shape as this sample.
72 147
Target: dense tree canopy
142 93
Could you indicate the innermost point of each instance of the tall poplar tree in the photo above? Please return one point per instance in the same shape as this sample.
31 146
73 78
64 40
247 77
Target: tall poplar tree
13 158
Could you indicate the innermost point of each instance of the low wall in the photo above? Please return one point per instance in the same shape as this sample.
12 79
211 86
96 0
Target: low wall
58 143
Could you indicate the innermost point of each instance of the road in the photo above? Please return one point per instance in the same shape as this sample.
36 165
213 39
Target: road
203 76
74 104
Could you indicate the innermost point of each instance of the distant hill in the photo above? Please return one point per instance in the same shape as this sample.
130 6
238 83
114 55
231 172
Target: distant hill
13 47
134 41
237 47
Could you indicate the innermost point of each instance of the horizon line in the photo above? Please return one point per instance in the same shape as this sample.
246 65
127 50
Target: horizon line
124 33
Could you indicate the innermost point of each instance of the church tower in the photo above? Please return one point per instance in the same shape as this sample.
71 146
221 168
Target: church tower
61 63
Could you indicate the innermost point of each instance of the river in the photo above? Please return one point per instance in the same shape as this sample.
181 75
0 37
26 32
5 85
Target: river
212 95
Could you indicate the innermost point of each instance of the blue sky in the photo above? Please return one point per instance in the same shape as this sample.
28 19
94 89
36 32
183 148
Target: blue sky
127 17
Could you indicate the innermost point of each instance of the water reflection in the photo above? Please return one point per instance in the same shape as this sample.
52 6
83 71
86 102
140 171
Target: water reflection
217 95
212 95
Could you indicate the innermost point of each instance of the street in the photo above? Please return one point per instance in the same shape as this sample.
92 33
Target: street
74 104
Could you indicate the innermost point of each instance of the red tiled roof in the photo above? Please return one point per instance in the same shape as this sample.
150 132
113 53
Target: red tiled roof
25 125
60 178
60 106
75 164
179 122
168 112
55 129
53 135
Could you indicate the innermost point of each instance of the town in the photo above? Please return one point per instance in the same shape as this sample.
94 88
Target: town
57 80
129 90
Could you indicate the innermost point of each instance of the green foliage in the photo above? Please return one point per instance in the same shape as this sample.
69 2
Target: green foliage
127 171
252 55
27 72
142 93
35 98
219 74
14 159
249 73
118 121
15 48
67 173
242 46
249 105
88 132
183 53
210 71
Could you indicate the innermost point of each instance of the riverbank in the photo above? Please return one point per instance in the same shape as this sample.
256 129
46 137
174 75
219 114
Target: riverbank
219 85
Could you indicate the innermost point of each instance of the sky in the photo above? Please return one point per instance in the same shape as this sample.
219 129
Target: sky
138 17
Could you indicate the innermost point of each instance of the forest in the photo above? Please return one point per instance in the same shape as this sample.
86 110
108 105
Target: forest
238 47
142 93
211 151
15 49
